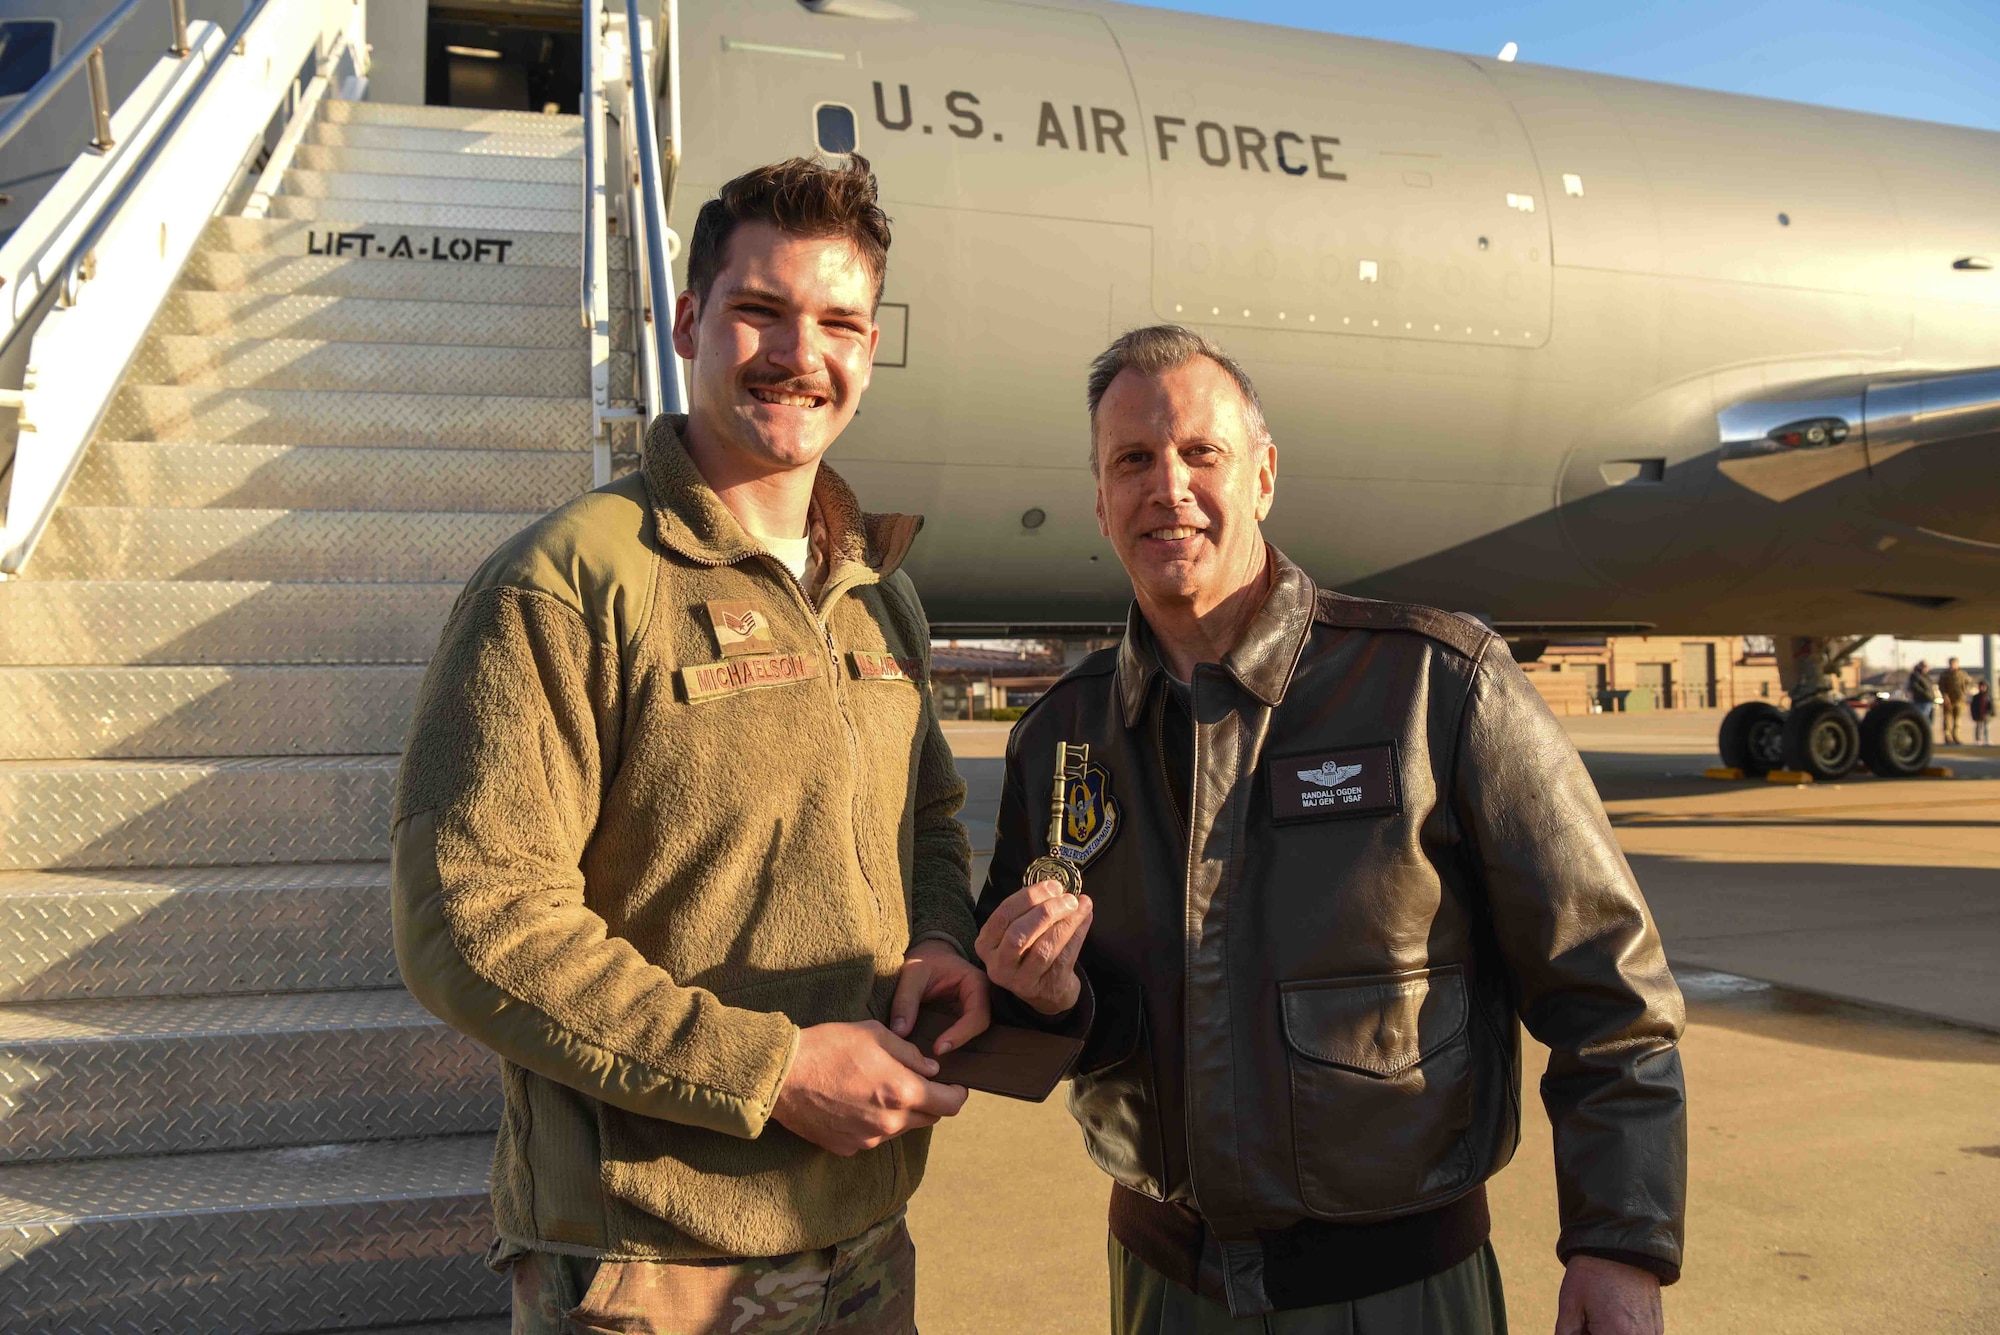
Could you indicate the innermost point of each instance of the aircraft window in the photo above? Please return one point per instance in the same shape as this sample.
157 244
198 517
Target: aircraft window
27 50
834 129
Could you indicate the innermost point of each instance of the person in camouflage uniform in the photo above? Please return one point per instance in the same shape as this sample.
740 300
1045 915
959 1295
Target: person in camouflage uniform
866 1286
1954 684
676 833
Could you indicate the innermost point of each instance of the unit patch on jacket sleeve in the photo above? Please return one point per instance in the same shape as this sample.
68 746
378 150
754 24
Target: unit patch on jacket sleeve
1325 785
709 680
884 667
741 629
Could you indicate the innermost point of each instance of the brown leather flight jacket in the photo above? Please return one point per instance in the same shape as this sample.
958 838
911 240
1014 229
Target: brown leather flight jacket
1392 851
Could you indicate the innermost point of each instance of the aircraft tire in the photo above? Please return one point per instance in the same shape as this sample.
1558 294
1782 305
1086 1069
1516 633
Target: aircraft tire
1823 739
1896 740
1753 737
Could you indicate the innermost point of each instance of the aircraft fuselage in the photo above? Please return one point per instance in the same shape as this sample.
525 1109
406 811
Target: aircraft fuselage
1494 310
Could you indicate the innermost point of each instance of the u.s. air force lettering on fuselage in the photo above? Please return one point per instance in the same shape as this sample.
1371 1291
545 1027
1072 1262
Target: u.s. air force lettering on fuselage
1076 128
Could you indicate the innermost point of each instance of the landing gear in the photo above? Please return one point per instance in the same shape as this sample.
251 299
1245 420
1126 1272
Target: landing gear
1820 735
1896 740
1753 738
1823 739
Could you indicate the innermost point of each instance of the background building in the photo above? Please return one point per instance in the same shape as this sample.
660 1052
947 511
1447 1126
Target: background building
1635 673
971 681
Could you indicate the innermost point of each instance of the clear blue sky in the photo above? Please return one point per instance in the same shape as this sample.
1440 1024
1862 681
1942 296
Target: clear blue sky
1933 60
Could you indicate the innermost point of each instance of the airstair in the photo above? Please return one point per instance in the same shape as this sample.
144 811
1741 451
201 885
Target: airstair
219 1111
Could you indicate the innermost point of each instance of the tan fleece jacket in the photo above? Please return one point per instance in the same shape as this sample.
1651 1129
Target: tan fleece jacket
657 811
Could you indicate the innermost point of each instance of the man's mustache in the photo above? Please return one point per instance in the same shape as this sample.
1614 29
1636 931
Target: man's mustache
819 386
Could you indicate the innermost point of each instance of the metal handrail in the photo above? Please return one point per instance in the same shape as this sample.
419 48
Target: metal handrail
670 74
652 225
76 263
592 167
83 53
596 245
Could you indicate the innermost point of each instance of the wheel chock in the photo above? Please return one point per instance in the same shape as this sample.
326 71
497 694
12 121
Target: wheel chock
1788 776
1722 772
1939 772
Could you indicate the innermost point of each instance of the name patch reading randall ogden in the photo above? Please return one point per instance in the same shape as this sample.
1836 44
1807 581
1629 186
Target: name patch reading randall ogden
710 680
1323 785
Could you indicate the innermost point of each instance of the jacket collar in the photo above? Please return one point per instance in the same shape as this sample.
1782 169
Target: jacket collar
692 520
1262 662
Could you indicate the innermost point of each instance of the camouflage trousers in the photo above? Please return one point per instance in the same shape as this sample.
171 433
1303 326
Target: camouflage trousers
865 1286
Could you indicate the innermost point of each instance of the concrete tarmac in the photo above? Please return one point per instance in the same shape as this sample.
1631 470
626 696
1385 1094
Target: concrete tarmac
1839 946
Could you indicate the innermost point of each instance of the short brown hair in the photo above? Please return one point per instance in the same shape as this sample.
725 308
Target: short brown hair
1155 350
802 198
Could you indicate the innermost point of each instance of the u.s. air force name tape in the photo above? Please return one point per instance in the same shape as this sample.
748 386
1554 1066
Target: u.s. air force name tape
883 667
709 680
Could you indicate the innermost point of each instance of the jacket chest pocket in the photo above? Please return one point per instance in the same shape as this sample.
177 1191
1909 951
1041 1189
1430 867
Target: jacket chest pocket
1381 1083
885 693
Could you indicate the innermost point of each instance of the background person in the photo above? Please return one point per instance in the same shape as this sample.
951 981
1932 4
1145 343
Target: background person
1953 685
1982 714
1334 850
1922 691
669 839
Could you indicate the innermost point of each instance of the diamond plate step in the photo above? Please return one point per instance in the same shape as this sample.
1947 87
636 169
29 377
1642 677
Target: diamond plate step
250 1241
418 139
453 118
194 931
122 542
282 274
137 813
325 477
496 1325
438 166
381 368
446 249
240 621
59 713
344 417
426 215
169 1075
371 320
453 190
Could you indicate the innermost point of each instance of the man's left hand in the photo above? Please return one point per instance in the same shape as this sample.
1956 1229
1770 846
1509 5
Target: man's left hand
1601 1297
933 971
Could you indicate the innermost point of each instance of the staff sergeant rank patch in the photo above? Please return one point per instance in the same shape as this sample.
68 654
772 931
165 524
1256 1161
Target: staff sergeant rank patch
740 629
1328 785
884 667
1090 813
709 680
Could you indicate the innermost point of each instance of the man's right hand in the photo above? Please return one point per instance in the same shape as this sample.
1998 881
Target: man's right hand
1030 944
854 1086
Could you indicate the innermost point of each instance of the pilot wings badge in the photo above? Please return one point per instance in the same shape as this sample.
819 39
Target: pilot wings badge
1083 817
1330 774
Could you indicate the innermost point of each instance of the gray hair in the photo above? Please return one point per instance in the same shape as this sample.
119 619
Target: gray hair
1157 349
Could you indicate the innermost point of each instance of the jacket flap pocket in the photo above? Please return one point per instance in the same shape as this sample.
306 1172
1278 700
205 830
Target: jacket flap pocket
1382 1025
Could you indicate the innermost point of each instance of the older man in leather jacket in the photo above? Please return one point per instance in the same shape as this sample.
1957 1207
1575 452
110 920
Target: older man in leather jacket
1333 849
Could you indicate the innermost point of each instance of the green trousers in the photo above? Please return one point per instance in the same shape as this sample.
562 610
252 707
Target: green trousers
1464 1300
